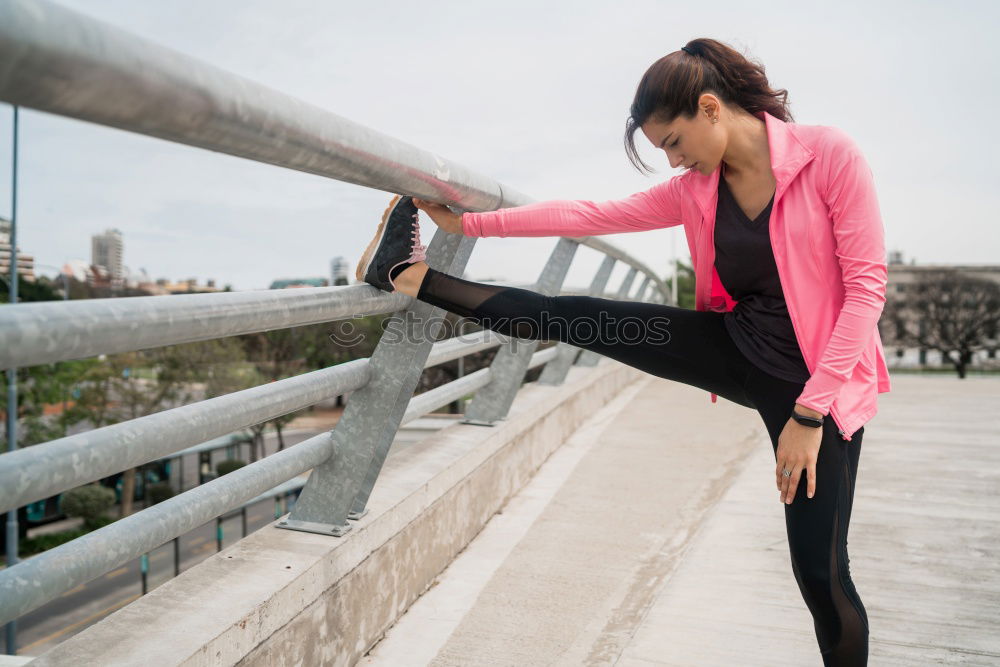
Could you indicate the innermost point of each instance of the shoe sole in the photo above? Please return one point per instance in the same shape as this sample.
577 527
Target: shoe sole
369 254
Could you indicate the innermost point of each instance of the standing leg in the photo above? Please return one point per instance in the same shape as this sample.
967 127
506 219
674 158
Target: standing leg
817 527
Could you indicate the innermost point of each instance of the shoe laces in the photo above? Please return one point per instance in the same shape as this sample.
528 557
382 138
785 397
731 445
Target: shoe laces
418 252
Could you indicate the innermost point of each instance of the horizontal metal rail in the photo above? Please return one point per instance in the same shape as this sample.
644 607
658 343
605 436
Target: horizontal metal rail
45 469
283 489
206 446
57 60
33 582
423 403
51 331
48 331
542 357
464 344
63 62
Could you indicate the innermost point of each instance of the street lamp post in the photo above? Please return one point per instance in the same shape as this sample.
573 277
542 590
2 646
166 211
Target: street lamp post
11 628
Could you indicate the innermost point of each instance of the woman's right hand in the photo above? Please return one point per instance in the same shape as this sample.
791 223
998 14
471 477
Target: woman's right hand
442 216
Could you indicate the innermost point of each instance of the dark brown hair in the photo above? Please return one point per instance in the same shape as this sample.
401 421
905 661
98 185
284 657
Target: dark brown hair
672 85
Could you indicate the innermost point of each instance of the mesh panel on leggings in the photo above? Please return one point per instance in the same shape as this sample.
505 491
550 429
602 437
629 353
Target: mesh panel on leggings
496 307
851 647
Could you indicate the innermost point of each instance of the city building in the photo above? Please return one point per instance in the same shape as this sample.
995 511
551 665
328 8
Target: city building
339 271
25 263
106 250
903 279
189 286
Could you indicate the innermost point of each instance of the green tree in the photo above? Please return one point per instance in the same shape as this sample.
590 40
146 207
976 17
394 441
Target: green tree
276 355
205 369
28 290
227 466
685 285
42 393
118 388
89 503
946 310
42 390
159 492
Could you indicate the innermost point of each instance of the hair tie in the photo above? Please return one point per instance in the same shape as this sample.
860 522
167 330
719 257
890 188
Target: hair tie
688 49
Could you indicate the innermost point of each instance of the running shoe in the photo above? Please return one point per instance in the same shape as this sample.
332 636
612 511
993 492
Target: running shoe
396 245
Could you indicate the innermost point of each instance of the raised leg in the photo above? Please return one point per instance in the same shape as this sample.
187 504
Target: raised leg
673 343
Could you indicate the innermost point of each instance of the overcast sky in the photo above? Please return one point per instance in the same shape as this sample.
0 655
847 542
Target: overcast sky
534 94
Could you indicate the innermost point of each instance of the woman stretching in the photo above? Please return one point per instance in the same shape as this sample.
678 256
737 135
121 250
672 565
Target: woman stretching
788 248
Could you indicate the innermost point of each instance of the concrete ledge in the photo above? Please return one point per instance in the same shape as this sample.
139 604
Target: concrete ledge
282 597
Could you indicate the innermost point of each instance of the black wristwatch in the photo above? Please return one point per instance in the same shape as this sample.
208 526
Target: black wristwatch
814 422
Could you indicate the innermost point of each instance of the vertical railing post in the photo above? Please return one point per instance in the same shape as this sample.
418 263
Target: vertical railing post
177 556
339 489
647 287
626 285
589 357
492 402
555 371
639 293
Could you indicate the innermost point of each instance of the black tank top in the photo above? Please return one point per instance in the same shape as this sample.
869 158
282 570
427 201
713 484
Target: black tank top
759 323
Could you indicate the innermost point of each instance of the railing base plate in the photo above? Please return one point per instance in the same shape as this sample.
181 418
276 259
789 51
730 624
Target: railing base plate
354 515
477 422
313 527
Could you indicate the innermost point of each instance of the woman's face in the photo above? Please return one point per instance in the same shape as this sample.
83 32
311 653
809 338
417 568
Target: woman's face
688 142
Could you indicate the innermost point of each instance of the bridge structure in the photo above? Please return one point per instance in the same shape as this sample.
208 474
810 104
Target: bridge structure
595 516
66 63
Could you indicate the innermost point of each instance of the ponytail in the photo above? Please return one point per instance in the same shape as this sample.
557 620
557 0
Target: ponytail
672 85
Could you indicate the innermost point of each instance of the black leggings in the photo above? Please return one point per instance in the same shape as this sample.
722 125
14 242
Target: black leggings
693 347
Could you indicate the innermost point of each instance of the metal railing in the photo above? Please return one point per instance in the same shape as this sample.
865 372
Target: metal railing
63 62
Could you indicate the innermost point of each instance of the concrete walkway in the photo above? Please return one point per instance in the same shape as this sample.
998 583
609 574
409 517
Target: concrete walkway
655 537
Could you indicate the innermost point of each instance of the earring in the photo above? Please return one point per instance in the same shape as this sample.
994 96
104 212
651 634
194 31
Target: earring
715 120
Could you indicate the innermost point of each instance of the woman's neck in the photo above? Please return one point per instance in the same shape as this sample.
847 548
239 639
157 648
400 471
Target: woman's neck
747 153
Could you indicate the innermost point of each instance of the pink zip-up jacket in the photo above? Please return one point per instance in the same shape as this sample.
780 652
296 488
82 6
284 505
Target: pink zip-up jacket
828 242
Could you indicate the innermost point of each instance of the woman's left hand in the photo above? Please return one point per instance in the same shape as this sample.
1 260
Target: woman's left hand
798 449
